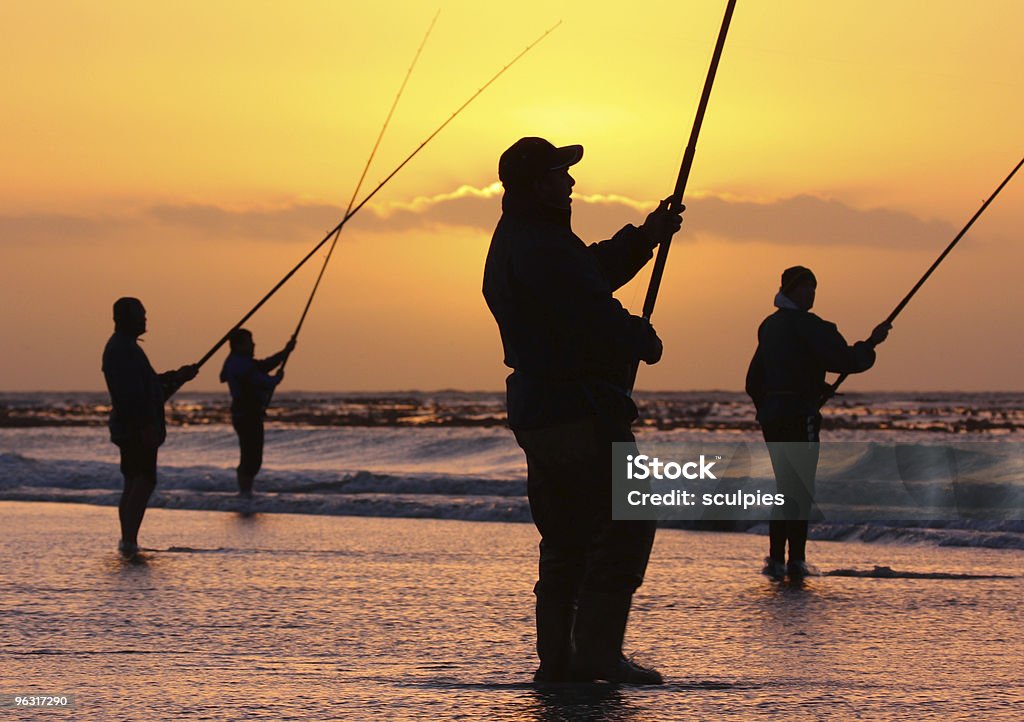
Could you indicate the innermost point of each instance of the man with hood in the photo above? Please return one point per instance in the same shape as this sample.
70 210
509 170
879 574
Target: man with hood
571 347
786 381
251 387
137 425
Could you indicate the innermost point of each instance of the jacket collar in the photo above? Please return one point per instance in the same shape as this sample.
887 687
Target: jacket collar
525 206
782 301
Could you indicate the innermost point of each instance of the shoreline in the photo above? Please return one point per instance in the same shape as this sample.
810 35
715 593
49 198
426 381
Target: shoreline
929 535
304 617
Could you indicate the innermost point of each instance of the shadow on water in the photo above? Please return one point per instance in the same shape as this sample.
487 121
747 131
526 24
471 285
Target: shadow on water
607 701
795 588
139 562
590 702
800 584
552 703
790 601
133 571
582 702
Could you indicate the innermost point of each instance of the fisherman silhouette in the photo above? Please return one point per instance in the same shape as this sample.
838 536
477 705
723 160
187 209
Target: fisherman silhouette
251 387
137 426
786 381
571 346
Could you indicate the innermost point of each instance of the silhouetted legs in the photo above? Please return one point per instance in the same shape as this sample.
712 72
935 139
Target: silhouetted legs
589 565
793 531
250 444
138 466
795 464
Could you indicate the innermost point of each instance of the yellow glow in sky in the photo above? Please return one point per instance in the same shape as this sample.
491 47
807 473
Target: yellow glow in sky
190 153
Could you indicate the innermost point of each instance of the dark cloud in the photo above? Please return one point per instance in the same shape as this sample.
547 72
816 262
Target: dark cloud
298 222
806 219
466 208
799 220
48 228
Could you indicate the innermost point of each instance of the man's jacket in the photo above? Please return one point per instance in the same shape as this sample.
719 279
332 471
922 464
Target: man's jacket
250 385
569 343
795 349
137 392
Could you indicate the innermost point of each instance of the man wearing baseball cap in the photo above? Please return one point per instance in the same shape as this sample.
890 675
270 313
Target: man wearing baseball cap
571 346
786 381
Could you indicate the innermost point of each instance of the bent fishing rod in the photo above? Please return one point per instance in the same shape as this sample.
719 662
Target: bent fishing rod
359 186
831 391
676 199
392 174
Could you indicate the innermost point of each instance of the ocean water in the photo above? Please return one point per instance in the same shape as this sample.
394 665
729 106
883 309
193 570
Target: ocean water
381 573
317 617
448 455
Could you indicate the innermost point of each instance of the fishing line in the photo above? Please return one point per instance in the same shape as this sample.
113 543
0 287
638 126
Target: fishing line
349 214
359 184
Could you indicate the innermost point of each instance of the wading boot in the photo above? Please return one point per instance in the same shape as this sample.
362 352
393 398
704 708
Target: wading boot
554 638
597 636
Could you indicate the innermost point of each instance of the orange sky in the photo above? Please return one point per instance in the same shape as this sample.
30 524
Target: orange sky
190 153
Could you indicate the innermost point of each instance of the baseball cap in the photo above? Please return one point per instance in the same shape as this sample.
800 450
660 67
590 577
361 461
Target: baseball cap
529 158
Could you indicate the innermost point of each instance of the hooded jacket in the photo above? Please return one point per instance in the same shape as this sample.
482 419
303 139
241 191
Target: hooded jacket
795 348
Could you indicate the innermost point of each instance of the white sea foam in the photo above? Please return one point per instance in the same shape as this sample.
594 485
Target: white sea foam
440 455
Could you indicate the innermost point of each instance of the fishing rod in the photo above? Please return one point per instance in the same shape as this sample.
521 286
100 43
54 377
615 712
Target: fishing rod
392 174
676 199
906 299
359 186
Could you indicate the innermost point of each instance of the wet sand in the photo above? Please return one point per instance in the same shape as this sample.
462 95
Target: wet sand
303 617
